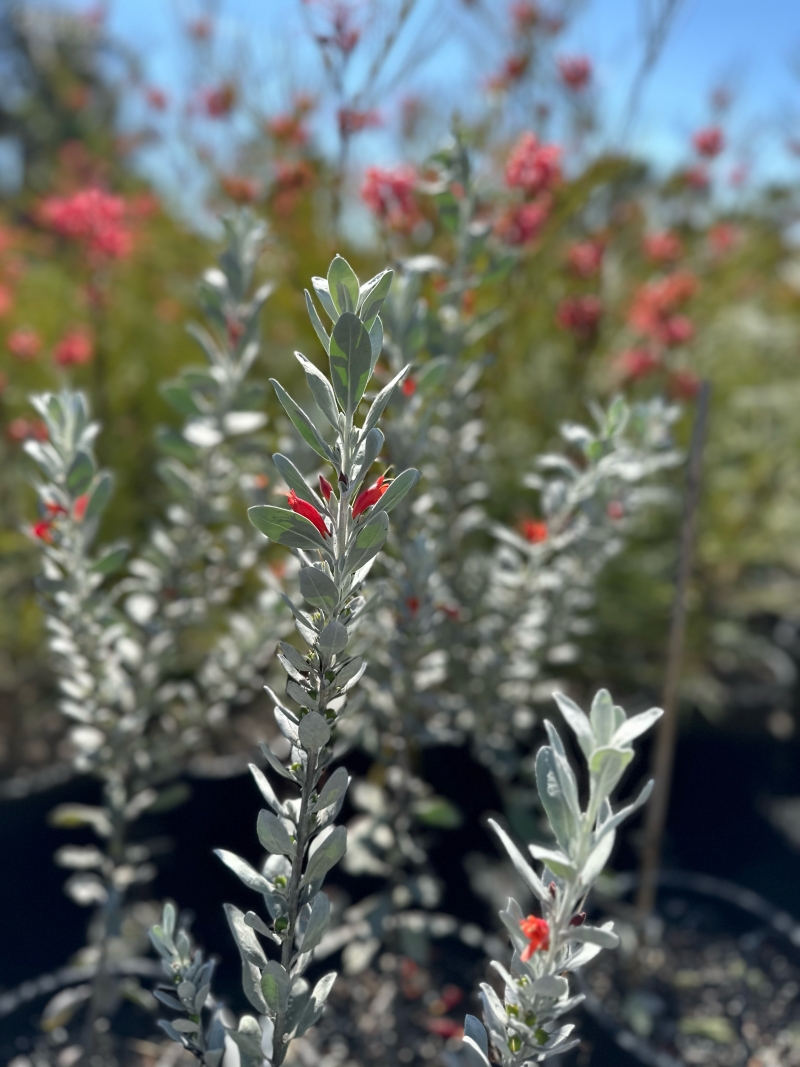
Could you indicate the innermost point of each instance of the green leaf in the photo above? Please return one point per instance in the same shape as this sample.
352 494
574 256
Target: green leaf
351 361
275 985
578 722
380 402
373 294
317 922
321 289
602 717
375 343
400 487
80 474
635 727
246 874
101 494
175 444
286 527
178 396
343 285
313 732
438 811
273 835
333 791
321 390
295 480
326 855
303 424
316 1004
316 322
112 561
523 868
554 860
318 588
369 540
333 639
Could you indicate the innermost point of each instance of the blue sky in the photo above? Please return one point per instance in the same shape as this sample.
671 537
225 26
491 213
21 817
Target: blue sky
749 44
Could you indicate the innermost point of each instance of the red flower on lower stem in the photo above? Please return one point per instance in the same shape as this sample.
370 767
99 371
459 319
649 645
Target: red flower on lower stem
534 531
367 497
308 511
580 315
43 531
537 932
79 507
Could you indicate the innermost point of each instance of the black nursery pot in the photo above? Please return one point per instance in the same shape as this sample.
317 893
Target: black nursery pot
713 978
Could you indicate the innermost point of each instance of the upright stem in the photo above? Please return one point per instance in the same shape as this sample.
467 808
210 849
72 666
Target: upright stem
293 899
664 755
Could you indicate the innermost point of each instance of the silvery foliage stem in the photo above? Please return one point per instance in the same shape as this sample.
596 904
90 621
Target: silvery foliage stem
188 992
435 426
136 719
336 549
201 554
538 606
522 1027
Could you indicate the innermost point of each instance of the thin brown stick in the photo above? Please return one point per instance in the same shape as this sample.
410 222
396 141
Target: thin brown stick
664 754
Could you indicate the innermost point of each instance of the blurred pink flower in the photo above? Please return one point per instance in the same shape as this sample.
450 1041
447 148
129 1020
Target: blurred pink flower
156 98
585 258
522 224
93 219
219 102
532 166
636 363
575 71
663 247
24 344
580 315
352 120
709 142
389 194
75 348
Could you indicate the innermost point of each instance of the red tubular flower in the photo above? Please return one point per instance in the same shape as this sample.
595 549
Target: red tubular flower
409 387
367 497
43 531
325 487
308 511
55 509
533 531
537 932
79 507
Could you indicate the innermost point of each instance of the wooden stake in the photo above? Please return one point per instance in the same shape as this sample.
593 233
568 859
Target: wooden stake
664 753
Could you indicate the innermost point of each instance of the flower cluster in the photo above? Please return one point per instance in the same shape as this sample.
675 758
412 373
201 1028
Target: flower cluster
532 166
655 311
389 194
97 221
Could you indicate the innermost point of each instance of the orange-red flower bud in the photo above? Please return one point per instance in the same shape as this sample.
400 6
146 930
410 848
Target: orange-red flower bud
43 531
537 932
325 487
367 497
308 511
